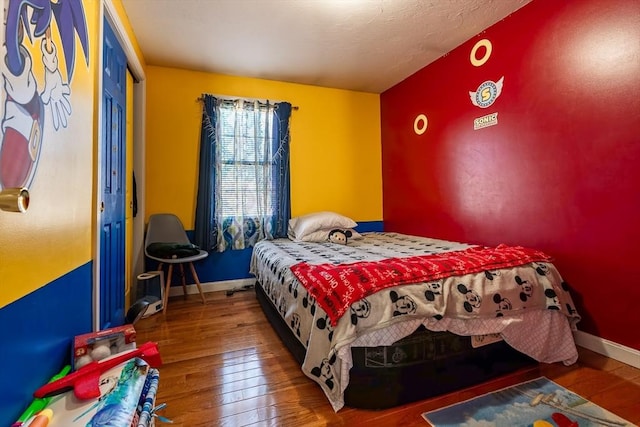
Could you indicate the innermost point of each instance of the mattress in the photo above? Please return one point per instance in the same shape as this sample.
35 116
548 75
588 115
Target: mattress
421 365
539 327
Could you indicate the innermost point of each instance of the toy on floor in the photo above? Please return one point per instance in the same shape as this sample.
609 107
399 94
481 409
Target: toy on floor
41 419
96 346
85 381
39 404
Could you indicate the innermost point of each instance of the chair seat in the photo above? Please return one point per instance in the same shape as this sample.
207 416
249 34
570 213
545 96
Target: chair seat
167 230
201 255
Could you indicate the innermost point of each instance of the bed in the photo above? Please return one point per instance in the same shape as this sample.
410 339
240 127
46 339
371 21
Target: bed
415 335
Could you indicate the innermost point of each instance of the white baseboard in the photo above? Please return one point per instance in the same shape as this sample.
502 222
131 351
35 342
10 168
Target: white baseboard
608 348
224 285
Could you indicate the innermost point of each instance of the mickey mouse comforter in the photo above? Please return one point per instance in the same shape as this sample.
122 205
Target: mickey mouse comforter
446 286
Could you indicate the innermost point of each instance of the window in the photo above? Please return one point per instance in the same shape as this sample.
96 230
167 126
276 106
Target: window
243 190
245 163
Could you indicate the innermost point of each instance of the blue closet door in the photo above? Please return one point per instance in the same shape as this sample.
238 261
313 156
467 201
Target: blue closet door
113 192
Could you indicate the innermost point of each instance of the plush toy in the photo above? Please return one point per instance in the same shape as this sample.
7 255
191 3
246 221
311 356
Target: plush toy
339 236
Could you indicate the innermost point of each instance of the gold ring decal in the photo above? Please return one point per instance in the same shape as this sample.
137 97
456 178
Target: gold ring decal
420 124
472 57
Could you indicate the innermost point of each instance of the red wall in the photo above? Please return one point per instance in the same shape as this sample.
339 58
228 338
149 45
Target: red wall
561 169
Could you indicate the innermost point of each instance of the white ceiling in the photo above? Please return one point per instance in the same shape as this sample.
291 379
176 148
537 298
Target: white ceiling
363 45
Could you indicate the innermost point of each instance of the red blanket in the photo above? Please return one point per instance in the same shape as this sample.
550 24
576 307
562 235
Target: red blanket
336 287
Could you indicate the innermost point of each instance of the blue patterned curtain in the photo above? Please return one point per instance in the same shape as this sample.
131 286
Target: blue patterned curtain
243 187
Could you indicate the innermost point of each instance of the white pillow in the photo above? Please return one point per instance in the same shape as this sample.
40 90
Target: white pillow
301 226
321 236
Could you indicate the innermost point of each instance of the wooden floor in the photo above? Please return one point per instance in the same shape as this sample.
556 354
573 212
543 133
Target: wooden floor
225 366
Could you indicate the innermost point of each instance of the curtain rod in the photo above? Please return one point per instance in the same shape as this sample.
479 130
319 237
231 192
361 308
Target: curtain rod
293 107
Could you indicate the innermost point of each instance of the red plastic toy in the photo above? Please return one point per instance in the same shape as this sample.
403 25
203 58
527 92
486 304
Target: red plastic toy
85 381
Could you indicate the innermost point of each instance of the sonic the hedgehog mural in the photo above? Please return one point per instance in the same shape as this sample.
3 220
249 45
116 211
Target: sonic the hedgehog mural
30 99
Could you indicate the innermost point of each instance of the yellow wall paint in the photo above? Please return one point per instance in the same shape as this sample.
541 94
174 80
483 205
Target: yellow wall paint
54 236
335 143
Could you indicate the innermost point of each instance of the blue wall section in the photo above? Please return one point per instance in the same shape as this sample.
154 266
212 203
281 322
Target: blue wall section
228 265
234 265
218 266
364 227
36 332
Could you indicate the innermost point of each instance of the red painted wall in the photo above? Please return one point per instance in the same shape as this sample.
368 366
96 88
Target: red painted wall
560 171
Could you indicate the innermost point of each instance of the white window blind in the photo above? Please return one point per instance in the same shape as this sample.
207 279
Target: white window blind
244 160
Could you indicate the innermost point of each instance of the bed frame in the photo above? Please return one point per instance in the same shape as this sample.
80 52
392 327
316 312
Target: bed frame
422 365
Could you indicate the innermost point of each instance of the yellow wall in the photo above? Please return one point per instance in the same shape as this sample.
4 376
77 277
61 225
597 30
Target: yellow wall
335 143
54 236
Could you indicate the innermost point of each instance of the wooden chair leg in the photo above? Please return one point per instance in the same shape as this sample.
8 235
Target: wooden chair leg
167 286
195 277
184 282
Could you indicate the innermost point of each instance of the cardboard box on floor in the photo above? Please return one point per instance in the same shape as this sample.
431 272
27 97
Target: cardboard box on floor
95 346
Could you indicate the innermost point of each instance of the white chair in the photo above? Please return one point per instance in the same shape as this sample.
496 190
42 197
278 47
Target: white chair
168 229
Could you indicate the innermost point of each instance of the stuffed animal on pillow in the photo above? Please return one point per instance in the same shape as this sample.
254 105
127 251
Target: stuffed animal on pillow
339 236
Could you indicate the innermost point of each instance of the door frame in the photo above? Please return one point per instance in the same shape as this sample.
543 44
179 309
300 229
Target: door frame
109 12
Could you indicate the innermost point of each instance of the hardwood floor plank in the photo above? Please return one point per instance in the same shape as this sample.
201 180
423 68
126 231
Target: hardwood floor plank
225 366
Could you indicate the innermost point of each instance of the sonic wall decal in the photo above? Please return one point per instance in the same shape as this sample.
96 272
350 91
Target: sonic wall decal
478 62
485 121
26 106
487 93
420 124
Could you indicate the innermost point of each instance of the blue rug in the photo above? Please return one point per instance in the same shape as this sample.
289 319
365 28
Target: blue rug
536 403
